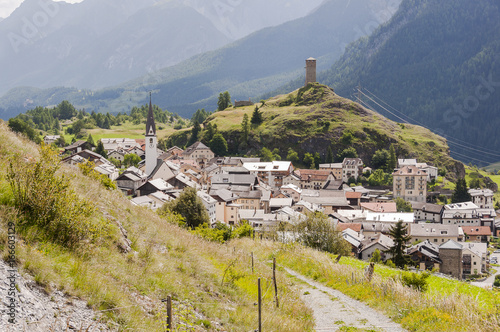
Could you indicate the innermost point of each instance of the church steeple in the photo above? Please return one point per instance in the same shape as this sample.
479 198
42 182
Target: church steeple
150 123
151 142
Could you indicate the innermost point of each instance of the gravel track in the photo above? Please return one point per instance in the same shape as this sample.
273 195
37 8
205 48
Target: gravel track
333 309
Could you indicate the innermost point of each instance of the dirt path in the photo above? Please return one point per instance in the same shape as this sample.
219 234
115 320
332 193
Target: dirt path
334 310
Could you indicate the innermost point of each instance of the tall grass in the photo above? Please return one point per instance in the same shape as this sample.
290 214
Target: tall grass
454 307
126 286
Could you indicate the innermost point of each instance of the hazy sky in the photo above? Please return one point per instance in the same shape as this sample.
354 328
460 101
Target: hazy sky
8 6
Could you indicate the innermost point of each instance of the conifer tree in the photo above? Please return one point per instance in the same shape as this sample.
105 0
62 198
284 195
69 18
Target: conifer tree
461 193
100 149
399 234
256 117
392 162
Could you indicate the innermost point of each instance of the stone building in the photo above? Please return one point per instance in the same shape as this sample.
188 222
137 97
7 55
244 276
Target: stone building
310 71
410 183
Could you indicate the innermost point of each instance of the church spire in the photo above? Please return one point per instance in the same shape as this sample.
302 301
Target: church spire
150 123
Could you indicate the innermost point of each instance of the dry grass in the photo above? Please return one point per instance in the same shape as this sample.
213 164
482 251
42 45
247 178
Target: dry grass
127 287
436 310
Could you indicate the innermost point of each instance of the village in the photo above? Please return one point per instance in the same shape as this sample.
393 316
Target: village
452 238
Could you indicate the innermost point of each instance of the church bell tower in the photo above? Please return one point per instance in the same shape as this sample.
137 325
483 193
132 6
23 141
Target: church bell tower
151 141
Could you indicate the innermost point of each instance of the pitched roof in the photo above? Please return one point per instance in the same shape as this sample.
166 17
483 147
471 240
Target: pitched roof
409 171
427 207
196 146
434 230
381 239
380 207
150 122
313 174
450 244
477 230
352 195
354 226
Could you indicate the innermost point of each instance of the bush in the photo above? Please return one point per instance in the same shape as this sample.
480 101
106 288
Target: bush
87 169
496 283
319 233
416 281
48 207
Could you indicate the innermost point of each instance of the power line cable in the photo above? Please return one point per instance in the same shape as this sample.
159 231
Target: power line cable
472 147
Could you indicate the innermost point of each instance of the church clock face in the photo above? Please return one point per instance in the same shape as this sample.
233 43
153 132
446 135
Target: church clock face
151 144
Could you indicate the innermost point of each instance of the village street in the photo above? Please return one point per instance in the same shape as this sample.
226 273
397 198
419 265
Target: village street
488 283
334 310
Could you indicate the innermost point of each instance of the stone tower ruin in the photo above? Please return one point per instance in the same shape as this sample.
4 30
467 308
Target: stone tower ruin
310 70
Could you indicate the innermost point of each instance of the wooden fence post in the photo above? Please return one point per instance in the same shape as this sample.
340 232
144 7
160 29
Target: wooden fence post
260 306
275 283
252 262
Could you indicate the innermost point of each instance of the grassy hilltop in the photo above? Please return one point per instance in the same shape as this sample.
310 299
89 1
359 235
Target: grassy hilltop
312 118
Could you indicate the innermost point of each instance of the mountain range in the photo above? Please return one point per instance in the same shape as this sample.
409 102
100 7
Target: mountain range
248 67
94 44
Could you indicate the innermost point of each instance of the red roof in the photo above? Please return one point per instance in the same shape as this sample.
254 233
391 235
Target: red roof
354 226
351 194
477 230
380 207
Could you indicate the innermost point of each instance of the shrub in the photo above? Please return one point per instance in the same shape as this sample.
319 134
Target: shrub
416 281
47 205
87 169
496 283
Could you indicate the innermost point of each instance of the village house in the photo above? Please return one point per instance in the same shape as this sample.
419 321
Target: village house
476 233
49 139
198 152
79 146
354 198
354 239
227 211
153 186
434 233
292 191
390 217
389 207
249 199
426 255
463 259
118 154
232 161
336 169
210 204
468 214
111 144
431 171
351 168
427 211
483 198
272 173
410 184
130 180
329 200
370 244
309 178
278 203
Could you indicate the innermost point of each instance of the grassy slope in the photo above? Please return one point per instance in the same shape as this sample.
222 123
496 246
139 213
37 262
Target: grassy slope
166 260
297 124
125 130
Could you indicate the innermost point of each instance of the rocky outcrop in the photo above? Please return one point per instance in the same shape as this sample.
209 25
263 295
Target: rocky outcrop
34 310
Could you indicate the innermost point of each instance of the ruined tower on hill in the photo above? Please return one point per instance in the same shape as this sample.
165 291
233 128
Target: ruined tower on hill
310 71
